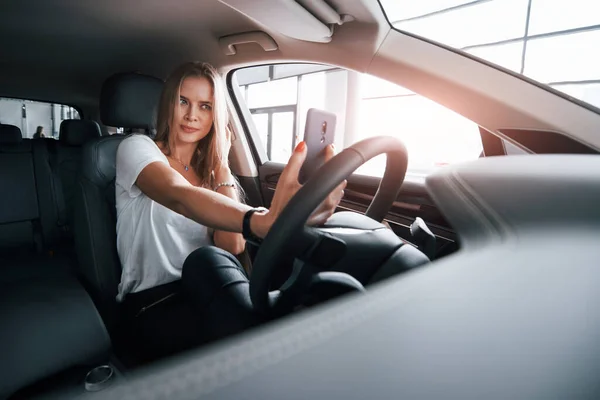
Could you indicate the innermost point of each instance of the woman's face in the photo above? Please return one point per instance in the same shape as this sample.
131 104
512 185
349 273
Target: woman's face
193 114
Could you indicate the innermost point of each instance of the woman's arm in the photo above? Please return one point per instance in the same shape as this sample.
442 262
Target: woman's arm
232 242
165 186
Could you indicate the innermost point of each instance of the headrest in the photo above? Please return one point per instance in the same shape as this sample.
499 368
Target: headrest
10 134
99 159
129 100
75 132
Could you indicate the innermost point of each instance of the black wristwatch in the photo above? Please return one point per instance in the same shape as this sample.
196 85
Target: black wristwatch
246 231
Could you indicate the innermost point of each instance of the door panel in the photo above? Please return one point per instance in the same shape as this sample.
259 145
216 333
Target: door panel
413 201
251 190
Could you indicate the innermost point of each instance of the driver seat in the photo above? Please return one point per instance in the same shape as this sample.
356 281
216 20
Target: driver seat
128 101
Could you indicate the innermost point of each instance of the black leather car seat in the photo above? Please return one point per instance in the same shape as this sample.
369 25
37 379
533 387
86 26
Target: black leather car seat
48 321
128 101
65 161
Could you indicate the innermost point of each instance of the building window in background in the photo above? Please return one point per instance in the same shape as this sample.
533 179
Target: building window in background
279 97
30 116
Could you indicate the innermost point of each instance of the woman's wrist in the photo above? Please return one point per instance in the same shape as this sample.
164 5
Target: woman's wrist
225 183
223 175
260 223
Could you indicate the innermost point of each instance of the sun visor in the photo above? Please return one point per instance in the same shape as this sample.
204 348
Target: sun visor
311 21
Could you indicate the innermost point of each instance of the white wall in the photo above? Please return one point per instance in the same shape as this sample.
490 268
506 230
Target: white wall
37 114
10 112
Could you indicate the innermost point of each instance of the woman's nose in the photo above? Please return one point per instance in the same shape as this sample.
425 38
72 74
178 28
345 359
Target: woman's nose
192 114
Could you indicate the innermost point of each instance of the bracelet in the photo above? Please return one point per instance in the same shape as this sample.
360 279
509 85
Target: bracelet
246 231
226 184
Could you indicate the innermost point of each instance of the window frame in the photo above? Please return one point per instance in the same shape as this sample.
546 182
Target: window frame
270 110
462 52
238 94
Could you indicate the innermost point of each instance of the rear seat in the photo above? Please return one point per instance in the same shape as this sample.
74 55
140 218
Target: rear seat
36 216
65 163
48 323
27 216
19 216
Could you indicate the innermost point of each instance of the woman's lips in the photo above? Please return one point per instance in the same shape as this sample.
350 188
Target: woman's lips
188 129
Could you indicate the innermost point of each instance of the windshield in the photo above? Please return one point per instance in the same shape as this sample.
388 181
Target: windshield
552 41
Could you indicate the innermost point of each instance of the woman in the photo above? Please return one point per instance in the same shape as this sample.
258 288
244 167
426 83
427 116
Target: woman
176 196
39 133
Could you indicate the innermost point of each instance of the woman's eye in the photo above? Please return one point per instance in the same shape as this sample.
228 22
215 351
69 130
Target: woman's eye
206 107
182 101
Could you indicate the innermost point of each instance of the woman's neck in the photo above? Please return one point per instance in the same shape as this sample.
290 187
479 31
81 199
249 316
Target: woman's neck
183 152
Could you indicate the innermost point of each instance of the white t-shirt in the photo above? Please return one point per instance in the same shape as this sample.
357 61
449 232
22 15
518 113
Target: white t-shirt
152 240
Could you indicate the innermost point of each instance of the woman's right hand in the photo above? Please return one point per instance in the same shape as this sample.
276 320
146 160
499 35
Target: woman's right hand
288 185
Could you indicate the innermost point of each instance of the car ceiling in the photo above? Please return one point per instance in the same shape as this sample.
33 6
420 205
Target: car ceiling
62 50
50 47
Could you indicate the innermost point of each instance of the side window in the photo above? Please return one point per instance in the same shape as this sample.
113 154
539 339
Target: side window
279 97
33 116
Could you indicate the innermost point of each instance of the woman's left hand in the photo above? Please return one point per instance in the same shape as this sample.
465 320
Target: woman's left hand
288 185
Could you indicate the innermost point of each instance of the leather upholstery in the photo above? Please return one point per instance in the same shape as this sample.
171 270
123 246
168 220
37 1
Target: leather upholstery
28 216
48 325
10 134
129 100
25 222
94 224
75 132
47 192
99 160
19 204
65 161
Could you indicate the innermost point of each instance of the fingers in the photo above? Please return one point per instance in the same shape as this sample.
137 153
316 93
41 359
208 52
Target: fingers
329 152
320 218
328 206
288 185
339 190
292 169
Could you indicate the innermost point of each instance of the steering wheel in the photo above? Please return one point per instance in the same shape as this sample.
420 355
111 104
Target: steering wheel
290 237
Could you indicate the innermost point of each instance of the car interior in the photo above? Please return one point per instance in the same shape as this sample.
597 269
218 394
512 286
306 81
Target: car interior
488 208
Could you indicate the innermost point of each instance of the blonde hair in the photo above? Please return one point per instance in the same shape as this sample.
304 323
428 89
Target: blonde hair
210 153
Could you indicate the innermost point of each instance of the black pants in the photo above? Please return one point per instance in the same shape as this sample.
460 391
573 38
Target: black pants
211 301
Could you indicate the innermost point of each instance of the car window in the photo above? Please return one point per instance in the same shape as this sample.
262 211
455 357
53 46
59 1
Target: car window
279 97
554 42
29 115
